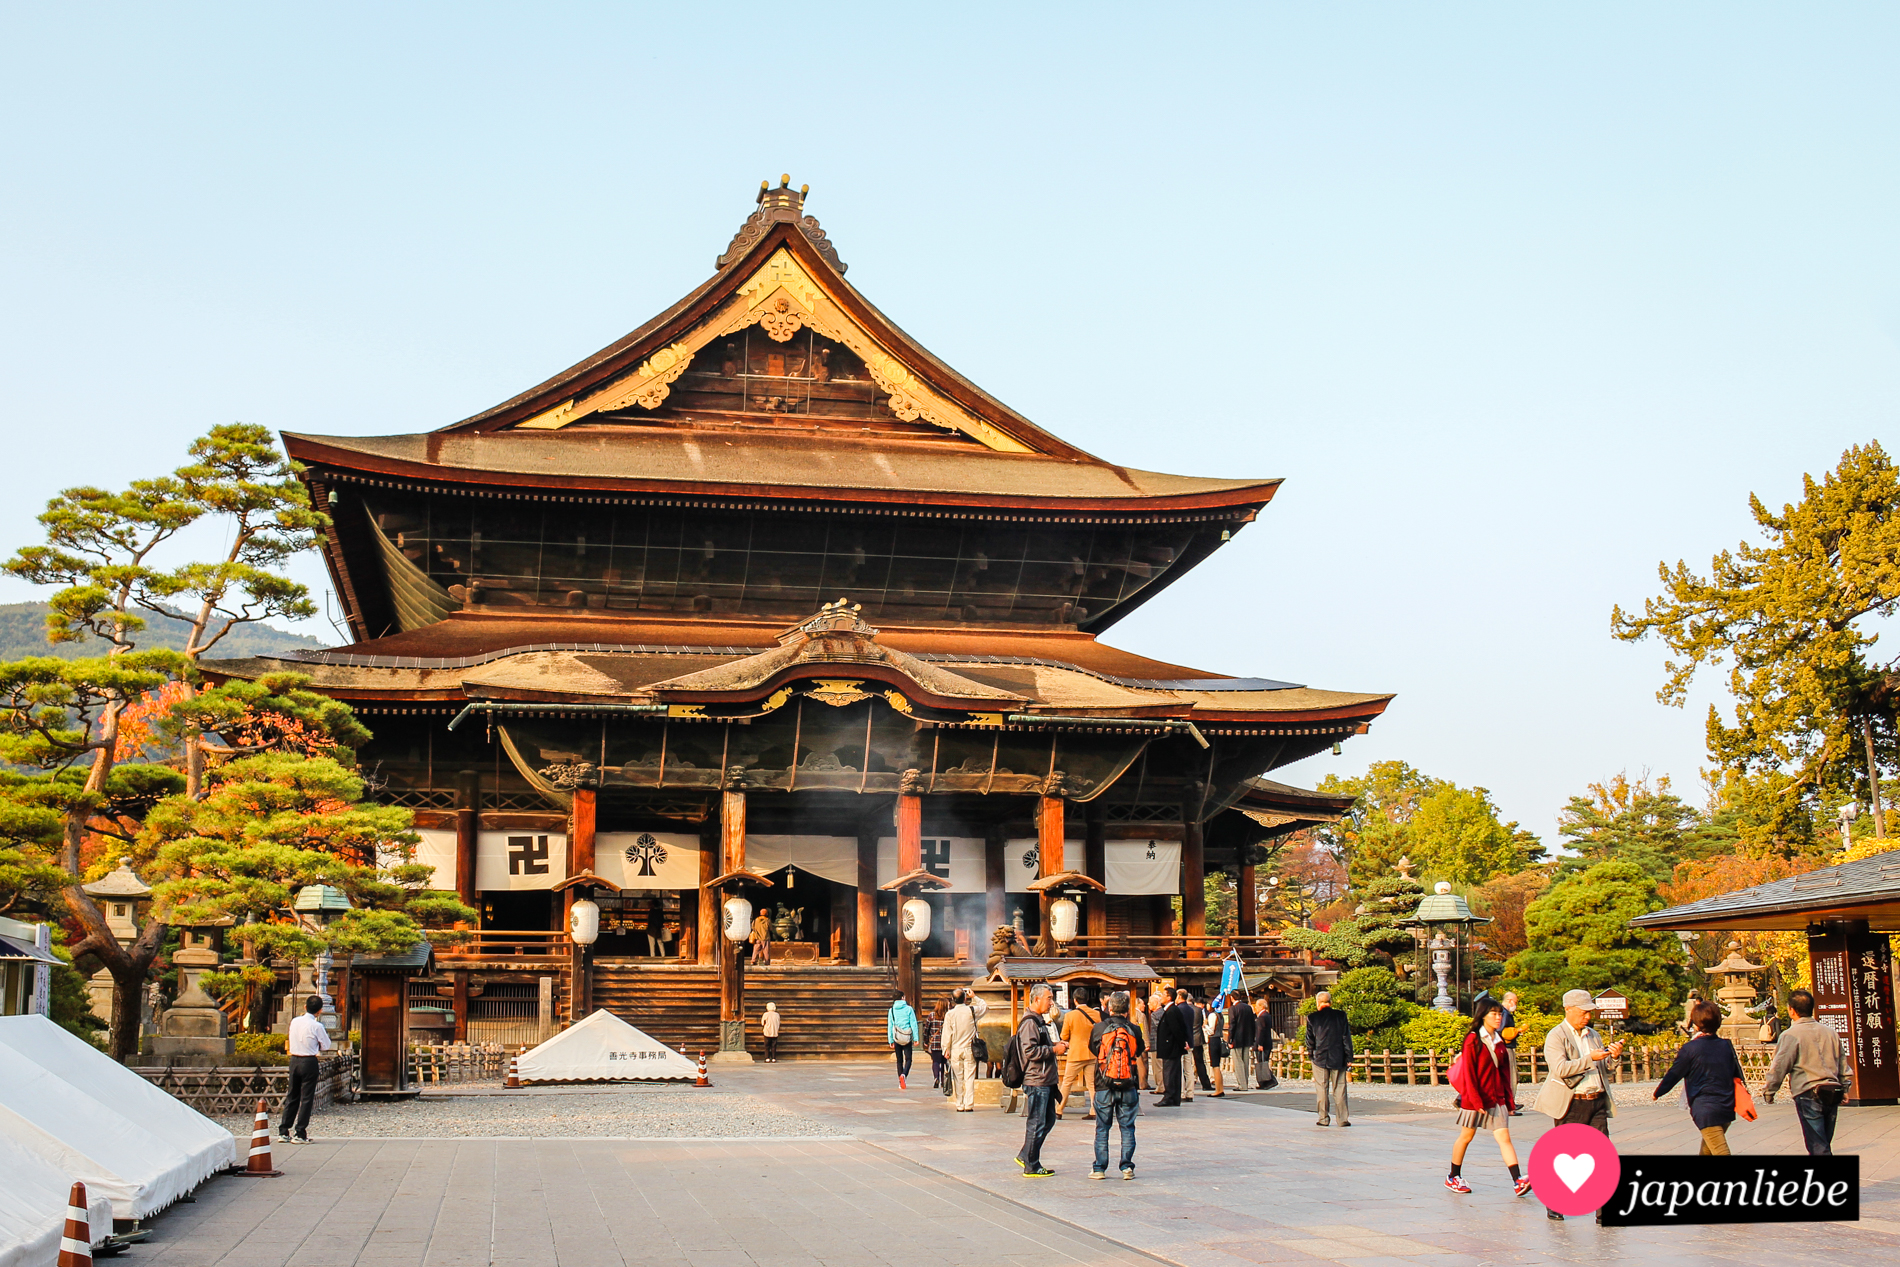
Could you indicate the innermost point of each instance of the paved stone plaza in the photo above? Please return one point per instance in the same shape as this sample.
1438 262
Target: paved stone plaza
884 1176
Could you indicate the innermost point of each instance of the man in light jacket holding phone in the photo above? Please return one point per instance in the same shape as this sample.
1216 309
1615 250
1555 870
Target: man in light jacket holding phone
1577 1093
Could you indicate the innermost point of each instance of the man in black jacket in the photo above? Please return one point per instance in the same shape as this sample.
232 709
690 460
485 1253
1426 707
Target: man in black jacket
1240 1026
1197 1039
1329 1041
1171 1043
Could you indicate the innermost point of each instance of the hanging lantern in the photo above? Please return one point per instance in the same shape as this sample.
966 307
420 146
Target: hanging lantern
738 915
1062 919
584 922
916 920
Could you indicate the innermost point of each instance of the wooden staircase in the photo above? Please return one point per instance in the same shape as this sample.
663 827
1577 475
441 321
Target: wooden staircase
835 1012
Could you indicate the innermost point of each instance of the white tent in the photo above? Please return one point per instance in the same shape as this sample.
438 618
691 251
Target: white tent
210 1146
603 1048
113 1136
33 1208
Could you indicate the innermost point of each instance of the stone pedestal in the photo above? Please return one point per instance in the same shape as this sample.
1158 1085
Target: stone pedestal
194 1030
291 1007
731 1045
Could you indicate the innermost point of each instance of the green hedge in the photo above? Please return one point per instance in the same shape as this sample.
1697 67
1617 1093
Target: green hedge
261 1049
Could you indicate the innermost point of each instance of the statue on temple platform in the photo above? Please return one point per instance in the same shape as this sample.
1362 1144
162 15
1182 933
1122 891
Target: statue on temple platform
790 924
1007 940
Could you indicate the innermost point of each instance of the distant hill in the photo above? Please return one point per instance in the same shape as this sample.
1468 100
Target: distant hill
23 633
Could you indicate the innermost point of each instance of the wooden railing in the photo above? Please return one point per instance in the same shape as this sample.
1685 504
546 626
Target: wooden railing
433 1063
1174 946
1428 1068
497 943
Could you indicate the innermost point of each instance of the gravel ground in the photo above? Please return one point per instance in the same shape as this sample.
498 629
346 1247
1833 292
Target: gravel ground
633 1111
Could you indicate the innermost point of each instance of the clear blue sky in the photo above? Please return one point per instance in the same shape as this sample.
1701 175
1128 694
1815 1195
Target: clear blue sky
1519 299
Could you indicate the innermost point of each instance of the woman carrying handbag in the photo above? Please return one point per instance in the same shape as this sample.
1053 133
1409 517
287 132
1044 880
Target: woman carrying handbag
1712 1077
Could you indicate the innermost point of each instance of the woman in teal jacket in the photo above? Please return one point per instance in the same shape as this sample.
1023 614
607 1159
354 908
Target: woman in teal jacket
900 1031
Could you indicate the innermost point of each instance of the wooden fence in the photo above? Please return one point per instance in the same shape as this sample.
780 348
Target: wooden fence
1427 1068
434 1063
234 1090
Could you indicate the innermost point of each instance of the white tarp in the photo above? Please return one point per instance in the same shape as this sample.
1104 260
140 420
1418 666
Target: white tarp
33 1208
603 1048
90 1117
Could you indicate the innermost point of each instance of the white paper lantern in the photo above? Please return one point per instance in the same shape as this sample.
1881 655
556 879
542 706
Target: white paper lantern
1062 913
916 920
584 922
738 925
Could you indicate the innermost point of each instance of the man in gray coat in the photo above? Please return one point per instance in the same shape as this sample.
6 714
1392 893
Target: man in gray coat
1811 1057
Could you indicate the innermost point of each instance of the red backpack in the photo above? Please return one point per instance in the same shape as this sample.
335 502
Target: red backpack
1117 1057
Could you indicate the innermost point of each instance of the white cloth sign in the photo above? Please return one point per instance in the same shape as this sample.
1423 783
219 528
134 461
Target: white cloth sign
833 858
1143 866
603 1048
436 850
1021 864
958 859
647 859
520 859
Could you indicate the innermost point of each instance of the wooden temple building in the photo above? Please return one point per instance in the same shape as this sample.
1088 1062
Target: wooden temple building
764 598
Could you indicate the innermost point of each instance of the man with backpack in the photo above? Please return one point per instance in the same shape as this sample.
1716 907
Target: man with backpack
1030 1063
1118 1050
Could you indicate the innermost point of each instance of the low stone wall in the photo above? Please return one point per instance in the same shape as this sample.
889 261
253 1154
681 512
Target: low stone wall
228 1090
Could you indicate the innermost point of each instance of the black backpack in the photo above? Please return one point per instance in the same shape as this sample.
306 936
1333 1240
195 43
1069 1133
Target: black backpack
1013 1062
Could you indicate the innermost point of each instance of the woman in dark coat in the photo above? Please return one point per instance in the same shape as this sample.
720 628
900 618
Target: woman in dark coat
1707 1068
1489 1095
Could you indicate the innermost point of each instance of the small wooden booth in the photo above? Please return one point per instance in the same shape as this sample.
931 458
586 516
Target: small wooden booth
1021 973
384 1018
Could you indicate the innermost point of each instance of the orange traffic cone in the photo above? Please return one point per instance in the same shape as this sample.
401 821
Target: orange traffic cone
75 1244
514 1074
260 1166
703 1081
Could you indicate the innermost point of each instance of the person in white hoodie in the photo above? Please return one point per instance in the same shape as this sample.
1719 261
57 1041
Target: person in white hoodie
959 1038
768 1026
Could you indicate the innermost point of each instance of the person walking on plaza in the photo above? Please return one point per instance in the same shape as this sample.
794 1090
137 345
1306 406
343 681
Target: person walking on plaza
1510 1044
768 1026
1329 1043
1576 1093
900 1031
1263 1078
959 1045
1488 1096
1809 1055
1171 1040
1117 1047
933 1043
1078 1071
1240 1035
1214 1030
1708 1068
1041 1055
1197 1040
1138 1017
306 1039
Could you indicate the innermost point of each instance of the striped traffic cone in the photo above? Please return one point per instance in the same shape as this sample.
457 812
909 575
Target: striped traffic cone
75 1244
514 1074
703 1081
260 1166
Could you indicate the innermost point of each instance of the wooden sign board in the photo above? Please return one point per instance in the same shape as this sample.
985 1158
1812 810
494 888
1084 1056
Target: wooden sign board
1612 1005
1853 996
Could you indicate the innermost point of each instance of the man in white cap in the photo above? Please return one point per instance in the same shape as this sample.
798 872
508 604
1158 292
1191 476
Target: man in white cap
1576 1091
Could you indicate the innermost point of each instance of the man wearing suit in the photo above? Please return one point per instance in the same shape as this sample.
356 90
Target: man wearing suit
1171 1041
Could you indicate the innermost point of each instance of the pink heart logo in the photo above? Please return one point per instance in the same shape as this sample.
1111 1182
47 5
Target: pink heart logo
1574 1169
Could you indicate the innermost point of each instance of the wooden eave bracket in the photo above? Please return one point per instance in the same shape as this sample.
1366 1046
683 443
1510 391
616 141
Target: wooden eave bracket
1066 880
743 876
585 877
915 879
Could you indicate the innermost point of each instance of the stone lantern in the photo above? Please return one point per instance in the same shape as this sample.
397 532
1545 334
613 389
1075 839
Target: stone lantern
118 894
1736 993
316 905
1443 925
194 1029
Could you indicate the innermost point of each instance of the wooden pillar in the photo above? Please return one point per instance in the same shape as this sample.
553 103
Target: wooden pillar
1095 862
461 1005
1050 846
995 899
910 857
707 934
867 897
467 808
581 828
732 809
732 831
1193 886
1246 900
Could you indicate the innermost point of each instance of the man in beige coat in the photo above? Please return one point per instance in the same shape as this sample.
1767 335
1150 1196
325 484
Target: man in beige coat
1577 1092
959 1032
